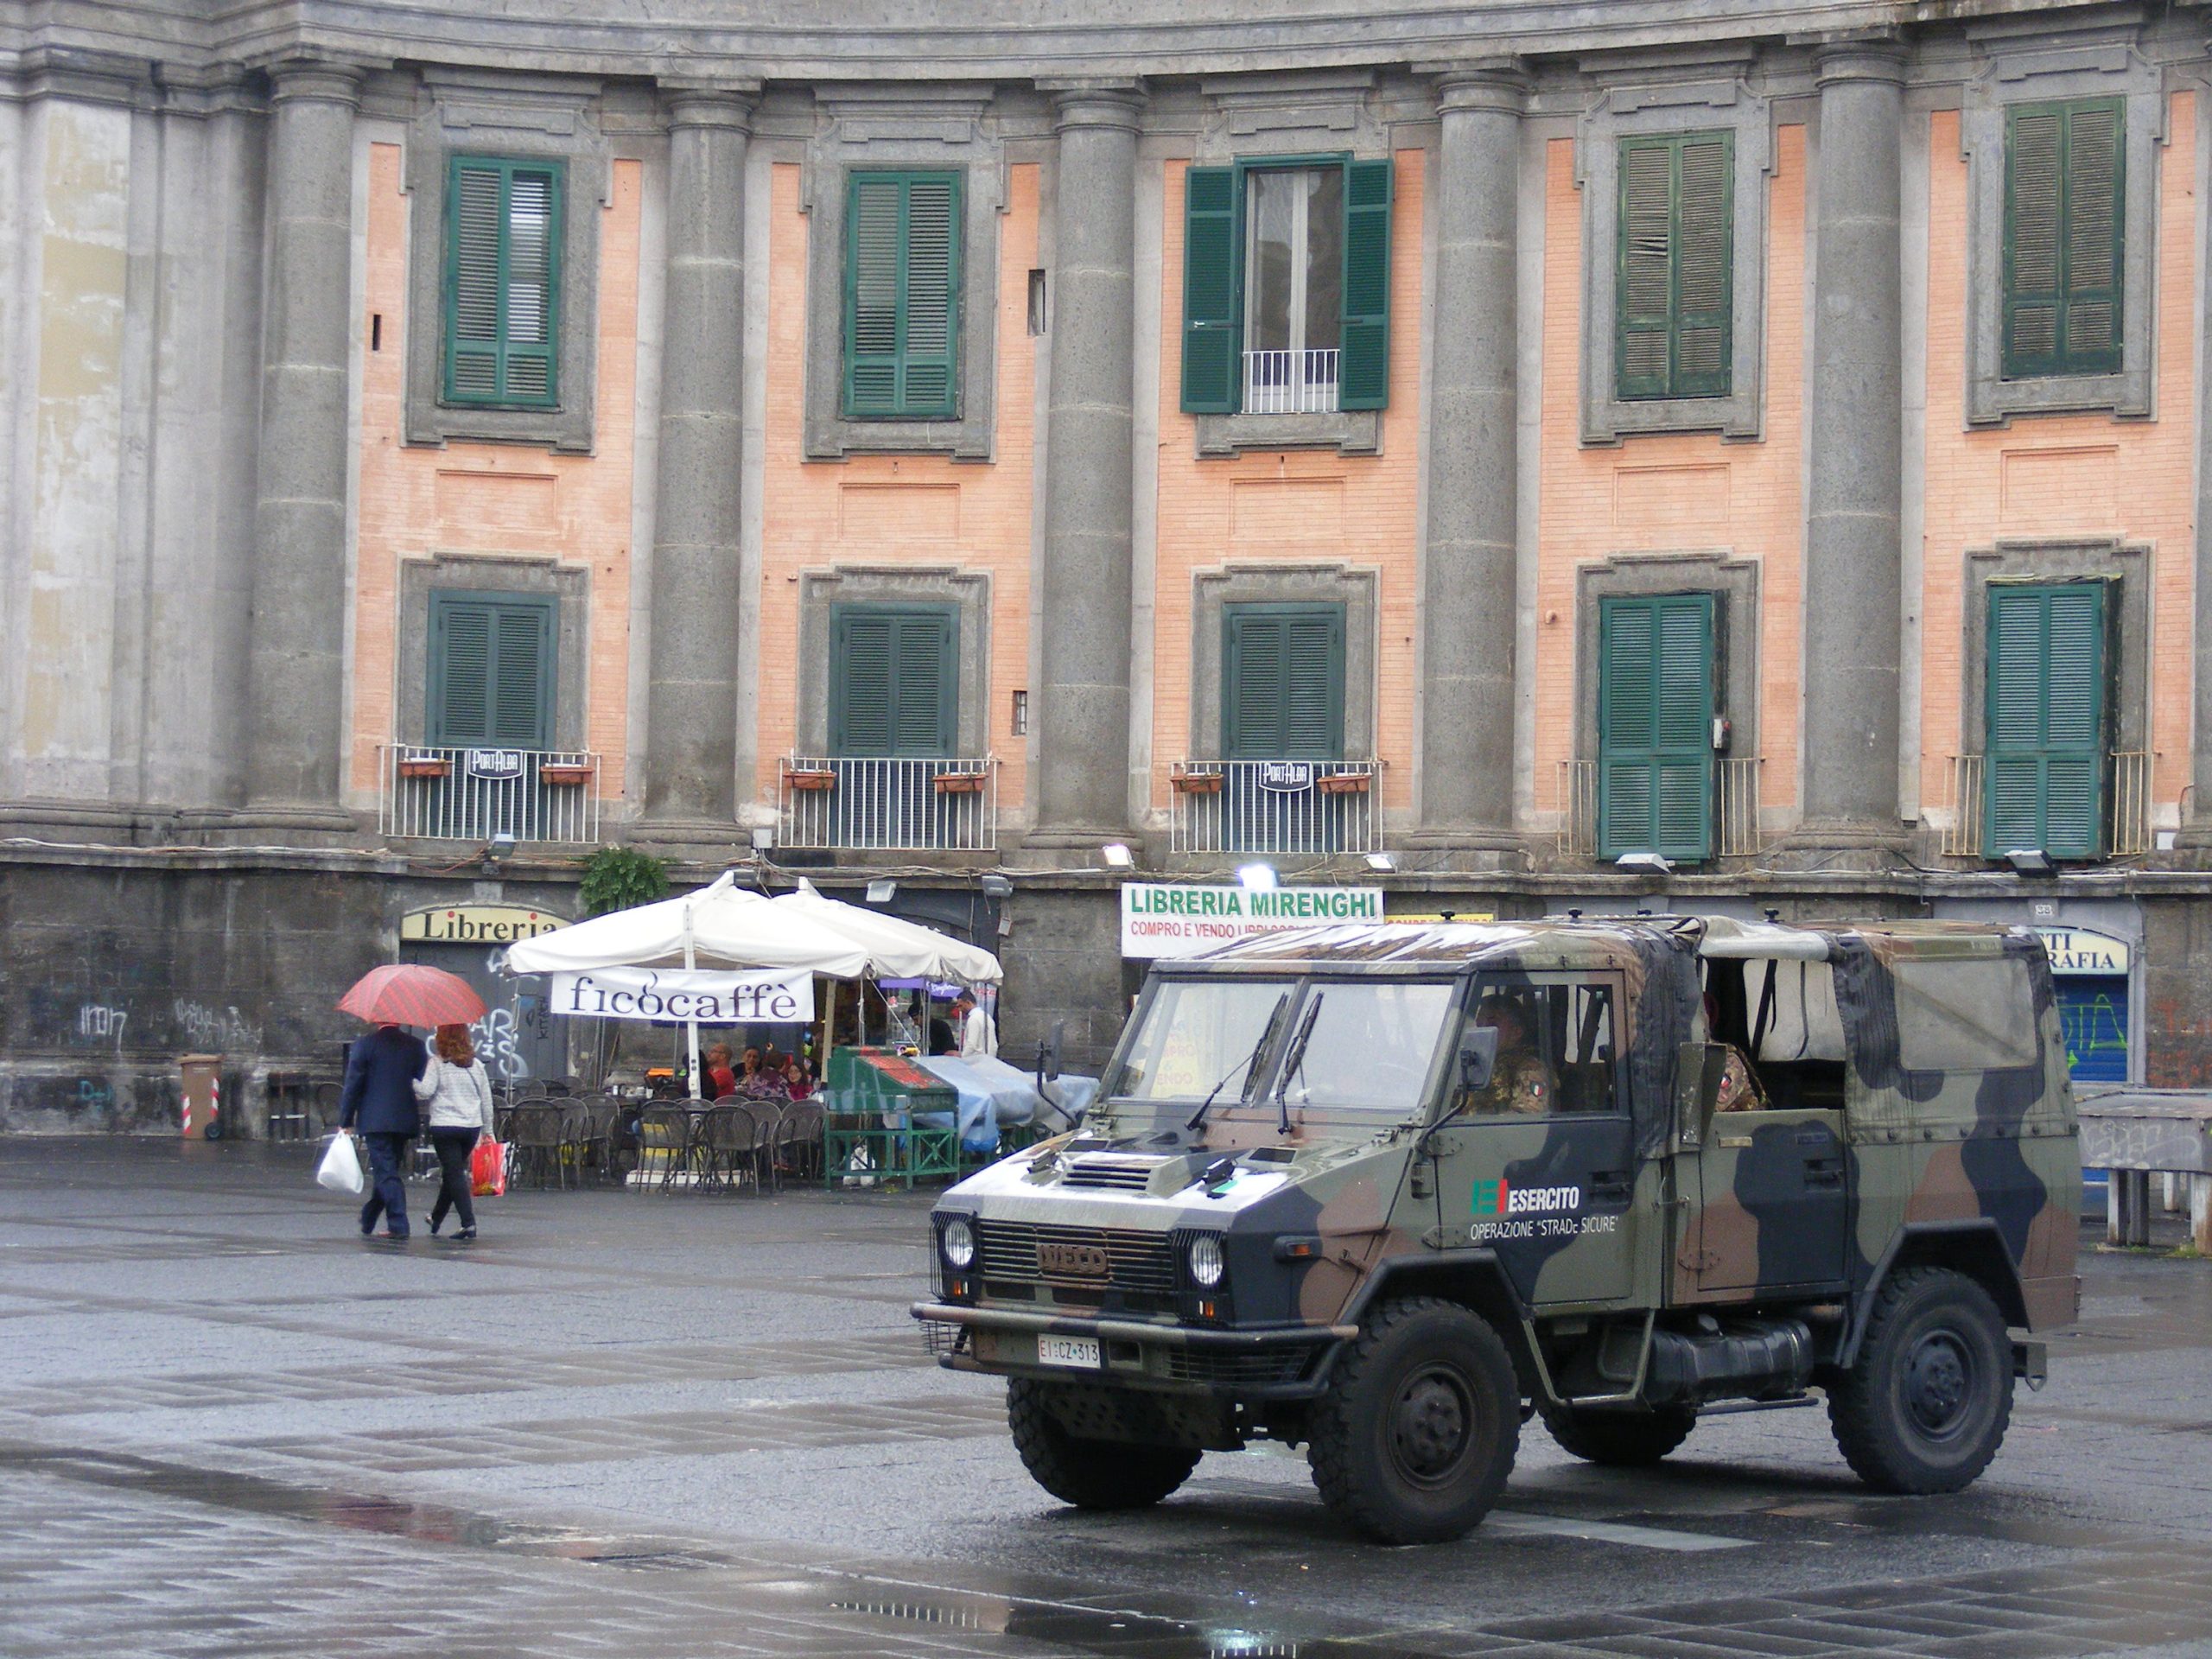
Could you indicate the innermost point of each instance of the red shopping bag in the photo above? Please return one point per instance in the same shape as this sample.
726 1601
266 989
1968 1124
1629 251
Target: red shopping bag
487 1170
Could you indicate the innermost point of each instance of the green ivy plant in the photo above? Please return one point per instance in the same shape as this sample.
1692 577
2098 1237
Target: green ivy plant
616 878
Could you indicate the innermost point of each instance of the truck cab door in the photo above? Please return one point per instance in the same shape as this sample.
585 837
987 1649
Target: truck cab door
1539 1164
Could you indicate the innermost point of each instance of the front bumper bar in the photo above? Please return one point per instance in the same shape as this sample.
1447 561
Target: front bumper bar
1278 1362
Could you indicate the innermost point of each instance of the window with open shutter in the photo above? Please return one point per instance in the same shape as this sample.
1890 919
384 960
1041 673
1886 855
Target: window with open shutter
894 680
1655 726
503 287
2044 768
2064 228
491 670
1286 287
1283 682
1674 303
902 296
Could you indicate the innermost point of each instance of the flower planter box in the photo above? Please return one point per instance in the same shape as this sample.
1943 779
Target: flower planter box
962 783
1344 783
810 778
1196 783
564 775
424 765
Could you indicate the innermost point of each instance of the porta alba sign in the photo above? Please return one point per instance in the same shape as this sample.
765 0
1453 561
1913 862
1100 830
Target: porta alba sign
1175 919
710 996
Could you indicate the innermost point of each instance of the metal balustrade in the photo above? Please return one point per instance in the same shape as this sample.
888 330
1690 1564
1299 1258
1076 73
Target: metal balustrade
445 793
1276 806
1290 382
867 804
1736 832
2127 806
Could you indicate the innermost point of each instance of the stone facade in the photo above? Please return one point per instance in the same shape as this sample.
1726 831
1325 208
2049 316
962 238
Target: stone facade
231 488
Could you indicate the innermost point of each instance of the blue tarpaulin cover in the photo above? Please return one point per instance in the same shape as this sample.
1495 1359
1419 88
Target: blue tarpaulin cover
992 1093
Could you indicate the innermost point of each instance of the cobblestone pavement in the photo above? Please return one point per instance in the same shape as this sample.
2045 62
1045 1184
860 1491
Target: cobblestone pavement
672 1426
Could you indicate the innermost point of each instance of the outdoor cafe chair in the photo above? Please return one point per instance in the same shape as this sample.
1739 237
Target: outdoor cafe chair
539 1131
663 1143
798 1140
729 1140
596 1120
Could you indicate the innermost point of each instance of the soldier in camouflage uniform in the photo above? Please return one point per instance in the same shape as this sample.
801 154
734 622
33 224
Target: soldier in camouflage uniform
1520 1081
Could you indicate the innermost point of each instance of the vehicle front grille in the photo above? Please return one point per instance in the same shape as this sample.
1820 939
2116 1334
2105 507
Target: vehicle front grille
1216 1368
1121 1175
1135 1261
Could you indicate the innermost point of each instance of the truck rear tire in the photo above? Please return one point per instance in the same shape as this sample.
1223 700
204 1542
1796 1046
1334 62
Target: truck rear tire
1925 1405
1620 1440
1418 1432
1089 1474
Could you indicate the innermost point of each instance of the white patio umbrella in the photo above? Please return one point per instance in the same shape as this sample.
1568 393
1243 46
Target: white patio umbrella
897 948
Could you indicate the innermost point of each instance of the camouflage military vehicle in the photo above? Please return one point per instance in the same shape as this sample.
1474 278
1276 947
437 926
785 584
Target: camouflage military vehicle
1388 1192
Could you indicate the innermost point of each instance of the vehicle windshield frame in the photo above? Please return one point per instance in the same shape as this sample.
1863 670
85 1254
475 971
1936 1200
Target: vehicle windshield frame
1241 1088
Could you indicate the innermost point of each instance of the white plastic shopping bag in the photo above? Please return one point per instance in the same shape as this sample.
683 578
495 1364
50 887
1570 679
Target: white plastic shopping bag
340 1168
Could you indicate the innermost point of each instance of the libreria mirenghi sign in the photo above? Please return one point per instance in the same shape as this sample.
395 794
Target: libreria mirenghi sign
1176 919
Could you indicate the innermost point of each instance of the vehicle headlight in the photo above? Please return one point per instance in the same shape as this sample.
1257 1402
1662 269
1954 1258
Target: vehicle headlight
958 1244
1206 1261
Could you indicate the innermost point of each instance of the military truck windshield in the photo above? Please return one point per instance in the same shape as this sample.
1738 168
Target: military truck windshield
1191 1033
1371 1046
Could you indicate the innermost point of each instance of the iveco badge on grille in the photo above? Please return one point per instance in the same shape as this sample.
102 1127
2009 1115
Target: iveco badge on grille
1073 1261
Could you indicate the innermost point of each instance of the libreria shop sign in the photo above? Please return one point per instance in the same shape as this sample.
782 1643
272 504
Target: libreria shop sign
1164 918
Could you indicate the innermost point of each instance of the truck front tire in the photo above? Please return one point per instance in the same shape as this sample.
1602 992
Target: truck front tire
1925 1405
1089 1474
1418 1432
1620 1440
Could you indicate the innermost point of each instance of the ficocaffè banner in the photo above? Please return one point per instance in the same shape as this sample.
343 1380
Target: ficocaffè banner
1179 919
711 996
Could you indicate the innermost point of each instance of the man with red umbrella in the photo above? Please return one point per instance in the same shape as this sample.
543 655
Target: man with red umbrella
378 1100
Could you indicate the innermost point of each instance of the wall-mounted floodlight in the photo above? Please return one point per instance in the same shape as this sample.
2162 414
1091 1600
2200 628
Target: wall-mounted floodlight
1644 864
997 887
1257 878
2031 861
1382 863
764 837
1115 855
880 890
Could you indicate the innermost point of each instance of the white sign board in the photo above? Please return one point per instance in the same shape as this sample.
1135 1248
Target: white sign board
1178 918
2077 950
711 996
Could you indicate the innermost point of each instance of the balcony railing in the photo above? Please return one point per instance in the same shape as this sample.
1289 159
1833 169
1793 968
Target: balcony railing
948 805
1735 808
1276 806
2127 806
1290 382
474 794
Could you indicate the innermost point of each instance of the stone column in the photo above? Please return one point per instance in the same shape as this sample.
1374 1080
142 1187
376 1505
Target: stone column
1083 749
1469 605
2196 838
1855 423
691 711
297 644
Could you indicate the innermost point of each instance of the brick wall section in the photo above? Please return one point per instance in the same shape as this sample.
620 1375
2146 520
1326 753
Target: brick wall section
1669 492
2061 474
877 510
1295 505
495 499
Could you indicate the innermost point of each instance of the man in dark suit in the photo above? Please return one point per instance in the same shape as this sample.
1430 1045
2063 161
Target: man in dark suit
379 1102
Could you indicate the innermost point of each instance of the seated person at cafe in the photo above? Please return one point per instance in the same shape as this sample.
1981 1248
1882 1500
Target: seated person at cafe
721 1077
757 1081
1520 1082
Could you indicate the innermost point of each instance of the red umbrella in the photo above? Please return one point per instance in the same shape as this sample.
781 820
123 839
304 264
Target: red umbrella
409 993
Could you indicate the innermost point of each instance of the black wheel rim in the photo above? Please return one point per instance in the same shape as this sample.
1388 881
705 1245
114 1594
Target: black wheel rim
1432 1426
1939 1384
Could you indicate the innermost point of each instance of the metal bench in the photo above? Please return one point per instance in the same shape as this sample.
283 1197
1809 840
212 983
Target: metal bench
2136 1132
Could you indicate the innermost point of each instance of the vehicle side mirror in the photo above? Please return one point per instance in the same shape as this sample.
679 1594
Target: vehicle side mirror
1699 1068
1477 1057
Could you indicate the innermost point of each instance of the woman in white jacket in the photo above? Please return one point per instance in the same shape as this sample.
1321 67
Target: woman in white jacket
460 1094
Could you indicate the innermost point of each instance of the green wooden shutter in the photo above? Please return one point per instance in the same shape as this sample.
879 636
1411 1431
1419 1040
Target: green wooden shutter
894 680
1363 355
502 290
1655 726
2065 167
1211 325
1673 303
902 296
491 670
2044 768
1282 683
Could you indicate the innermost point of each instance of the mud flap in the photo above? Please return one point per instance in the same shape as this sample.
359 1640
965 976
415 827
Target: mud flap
2031 1363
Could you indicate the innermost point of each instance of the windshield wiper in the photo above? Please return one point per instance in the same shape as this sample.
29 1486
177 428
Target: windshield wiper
1266 1033
1294 1062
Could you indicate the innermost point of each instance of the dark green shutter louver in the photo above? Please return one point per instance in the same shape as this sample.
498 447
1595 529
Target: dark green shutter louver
2045 765
1655 726
2065 167
893 688
1211 326
1675 294
902 295
1363 360
502 290
491 670
1283 682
